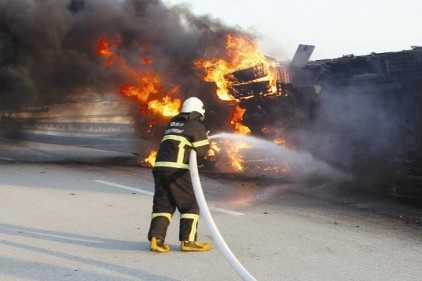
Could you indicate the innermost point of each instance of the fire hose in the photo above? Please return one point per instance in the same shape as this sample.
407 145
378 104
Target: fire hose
209 221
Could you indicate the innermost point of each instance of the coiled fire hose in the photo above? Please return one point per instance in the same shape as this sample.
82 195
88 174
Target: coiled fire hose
209 221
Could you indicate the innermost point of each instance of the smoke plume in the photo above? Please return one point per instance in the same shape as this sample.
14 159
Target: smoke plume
47 47
359 130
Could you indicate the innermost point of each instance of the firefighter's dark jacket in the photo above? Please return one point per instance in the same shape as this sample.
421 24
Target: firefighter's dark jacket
183 133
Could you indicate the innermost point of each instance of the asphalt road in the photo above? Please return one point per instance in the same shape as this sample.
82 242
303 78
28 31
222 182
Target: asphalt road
80 212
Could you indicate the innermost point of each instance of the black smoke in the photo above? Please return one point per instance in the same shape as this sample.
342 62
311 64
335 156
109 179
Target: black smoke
47 47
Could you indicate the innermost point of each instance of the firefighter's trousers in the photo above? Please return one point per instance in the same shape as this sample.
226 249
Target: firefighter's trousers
173 189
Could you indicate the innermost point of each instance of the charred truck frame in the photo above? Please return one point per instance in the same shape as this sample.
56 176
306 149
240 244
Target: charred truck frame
370 105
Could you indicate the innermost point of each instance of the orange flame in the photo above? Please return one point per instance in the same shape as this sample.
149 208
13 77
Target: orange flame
236 121
279 141
231 152
104 49
166 106
146 60
145 87
242 52
150 160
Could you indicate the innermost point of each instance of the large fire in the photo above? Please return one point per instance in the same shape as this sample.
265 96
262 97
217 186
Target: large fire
241 53
243 64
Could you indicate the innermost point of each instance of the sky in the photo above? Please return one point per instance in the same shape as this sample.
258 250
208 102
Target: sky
335 28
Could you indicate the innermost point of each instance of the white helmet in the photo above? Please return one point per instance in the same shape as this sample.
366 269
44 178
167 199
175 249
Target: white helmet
193 104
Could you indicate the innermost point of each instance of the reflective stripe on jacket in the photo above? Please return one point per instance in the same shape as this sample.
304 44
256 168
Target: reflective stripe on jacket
183 133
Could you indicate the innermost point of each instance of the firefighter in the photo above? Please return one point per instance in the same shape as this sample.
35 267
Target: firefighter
173 186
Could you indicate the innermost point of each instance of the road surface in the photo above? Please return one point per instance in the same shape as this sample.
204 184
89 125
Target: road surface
76 212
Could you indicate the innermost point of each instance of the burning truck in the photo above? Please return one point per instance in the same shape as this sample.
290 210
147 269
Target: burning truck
362 114
359 114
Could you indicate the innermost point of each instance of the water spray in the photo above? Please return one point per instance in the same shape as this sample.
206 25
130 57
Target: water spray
209 221
302 165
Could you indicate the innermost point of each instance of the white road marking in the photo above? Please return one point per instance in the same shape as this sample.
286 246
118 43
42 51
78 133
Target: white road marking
225 211
125 187
149 193
41 233
6 158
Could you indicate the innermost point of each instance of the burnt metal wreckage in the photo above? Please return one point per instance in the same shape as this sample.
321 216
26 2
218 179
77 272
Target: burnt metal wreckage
371 105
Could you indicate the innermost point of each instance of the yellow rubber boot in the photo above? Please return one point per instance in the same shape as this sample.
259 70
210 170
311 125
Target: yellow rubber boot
194 246
157 245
